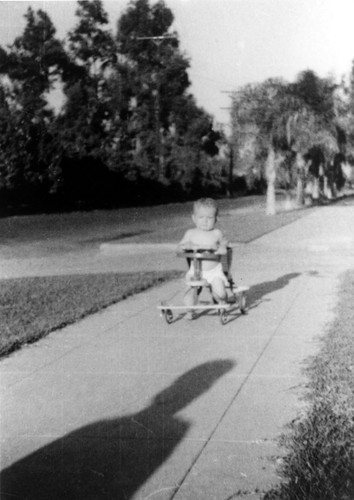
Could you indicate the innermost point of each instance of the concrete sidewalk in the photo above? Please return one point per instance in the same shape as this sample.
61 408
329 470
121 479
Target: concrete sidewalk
123 406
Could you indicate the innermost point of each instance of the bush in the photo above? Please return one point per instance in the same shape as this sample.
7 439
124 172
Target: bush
319 464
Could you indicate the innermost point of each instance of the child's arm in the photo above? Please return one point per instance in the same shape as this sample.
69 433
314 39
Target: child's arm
222 244
185 243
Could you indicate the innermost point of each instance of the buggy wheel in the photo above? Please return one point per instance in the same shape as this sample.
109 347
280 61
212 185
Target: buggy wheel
168 316
243 304
223 316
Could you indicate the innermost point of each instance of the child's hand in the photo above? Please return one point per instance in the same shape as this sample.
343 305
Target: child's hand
185 246
221 251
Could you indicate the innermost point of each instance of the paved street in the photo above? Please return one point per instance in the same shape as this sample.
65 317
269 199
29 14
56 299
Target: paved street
123 406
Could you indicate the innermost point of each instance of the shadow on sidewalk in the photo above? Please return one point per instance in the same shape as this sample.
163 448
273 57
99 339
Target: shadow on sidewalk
257 292
255 296
111 459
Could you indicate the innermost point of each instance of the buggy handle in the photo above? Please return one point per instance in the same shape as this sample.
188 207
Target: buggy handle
199 254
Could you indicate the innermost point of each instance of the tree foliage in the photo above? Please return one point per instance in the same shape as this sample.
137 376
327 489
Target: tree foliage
32 65
129 131
128 127
290 118
159 79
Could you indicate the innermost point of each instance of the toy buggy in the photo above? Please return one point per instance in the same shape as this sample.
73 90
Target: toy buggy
236 296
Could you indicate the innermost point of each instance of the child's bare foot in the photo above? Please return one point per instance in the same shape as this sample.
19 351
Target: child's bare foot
217 300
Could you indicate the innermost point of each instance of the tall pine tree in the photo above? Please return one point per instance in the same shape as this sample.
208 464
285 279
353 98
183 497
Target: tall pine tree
32 65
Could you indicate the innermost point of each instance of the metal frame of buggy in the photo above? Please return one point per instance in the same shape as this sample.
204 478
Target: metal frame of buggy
236 295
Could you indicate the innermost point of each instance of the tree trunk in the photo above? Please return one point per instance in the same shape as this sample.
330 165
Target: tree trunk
270 173
230 174
300 182
288 201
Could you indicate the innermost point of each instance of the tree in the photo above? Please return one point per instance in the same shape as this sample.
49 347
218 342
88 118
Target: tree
210 142
159 81
127 114
88 126
32 65
282 120
345 112
188 163
92 53
263 110
313 128
317 94
10 173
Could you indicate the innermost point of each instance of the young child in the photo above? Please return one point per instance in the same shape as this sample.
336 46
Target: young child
206 236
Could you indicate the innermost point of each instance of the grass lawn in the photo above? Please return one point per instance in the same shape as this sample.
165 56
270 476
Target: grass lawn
43 235
320 443
30 308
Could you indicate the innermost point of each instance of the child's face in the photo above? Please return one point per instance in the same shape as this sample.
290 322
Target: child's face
204 218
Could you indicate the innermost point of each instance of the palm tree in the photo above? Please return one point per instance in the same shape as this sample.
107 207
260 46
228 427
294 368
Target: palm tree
267 107
289 119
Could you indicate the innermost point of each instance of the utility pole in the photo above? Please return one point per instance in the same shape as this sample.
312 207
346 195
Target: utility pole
159 157
231 154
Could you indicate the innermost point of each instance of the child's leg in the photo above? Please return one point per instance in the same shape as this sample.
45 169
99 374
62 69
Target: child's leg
218 290
189 297
190 300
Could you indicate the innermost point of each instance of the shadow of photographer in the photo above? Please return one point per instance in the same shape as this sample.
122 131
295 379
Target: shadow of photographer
112 458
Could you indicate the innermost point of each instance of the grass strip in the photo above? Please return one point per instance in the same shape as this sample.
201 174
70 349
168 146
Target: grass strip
319 464
30 308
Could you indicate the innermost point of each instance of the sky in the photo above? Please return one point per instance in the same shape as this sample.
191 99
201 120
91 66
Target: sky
231 42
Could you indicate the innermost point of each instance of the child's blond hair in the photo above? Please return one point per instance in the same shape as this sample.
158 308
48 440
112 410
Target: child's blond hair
206 202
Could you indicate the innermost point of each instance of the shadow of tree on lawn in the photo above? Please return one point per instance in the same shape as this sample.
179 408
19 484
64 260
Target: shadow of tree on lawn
111 459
